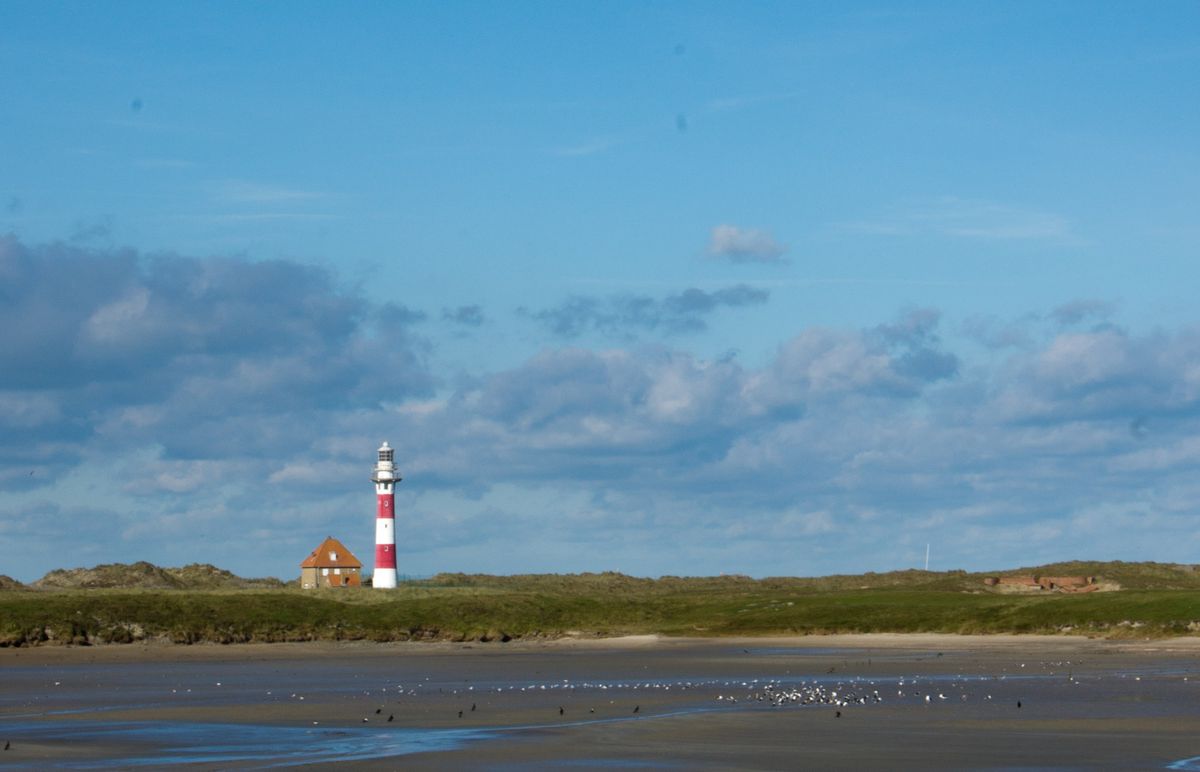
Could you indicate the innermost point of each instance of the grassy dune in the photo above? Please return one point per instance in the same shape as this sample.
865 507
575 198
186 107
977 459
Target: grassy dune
462 607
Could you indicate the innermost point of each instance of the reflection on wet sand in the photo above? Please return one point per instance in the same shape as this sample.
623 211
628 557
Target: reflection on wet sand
876 701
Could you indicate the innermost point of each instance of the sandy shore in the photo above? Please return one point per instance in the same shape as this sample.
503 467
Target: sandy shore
166 652
944 702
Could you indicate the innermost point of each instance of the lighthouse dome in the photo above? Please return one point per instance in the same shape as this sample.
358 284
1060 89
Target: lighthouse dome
385 467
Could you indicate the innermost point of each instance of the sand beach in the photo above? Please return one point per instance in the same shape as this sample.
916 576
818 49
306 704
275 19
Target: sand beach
900 702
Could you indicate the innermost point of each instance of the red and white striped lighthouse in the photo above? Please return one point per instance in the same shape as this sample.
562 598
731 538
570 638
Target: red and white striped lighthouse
385 479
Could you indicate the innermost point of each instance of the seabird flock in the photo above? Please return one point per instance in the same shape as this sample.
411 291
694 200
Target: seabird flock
821 690
846 692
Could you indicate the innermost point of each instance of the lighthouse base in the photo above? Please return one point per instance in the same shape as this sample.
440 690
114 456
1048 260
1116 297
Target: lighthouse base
384 578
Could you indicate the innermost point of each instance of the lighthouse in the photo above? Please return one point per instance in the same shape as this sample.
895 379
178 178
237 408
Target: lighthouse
385 479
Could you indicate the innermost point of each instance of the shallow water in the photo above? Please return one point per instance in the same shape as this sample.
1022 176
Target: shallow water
704 705
163 743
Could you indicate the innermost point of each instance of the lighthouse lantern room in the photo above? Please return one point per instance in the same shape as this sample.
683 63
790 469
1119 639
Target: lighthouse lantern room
385 479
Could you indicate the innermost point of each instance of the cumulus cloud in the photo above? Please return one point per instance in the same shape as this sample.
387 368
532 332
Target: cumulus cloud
397 315
1078 311
996 334
1029 329
622 315
208 397
90 232
661 417
466 316
744 245
876 436
914 335
202 357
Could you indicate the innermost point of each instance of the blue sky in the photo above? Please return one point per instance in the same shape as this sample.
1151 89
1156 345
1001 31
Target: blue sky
664 288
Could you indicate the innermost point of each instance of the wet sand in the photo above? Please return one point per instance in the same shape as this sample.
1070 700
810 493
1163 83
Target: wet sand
943 702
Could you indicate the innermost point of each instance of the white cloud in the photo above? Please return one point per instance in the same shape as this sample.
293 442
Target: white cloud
744 245
626 315
118 321
259 394
26 409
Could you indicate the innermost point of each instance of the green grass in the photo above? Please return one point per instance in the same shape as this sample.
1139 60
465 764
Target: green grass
458 607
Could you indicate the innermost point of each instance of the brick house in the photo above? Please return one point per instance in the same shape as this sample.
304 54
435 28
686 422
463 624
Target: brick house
330 565
1056 583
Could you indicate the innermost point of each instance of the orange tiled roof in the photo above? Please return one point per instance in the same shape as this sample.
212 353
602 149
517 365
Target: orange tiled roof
321 556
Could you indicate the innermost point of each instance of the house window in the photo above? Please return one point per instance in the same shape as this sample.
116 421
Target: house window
324 572
333 556
337 571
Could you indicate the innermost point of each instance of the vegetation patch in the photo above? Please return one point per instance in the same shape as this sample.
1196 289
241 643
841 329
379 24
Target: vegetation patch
1164 601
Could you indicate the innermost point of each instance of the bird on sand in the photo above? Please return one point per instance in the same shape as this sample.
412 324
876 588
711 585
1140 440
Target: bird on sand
472 707
378 711
637 708
837 714
7 745
560 710
391 717
460 714
1018 703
